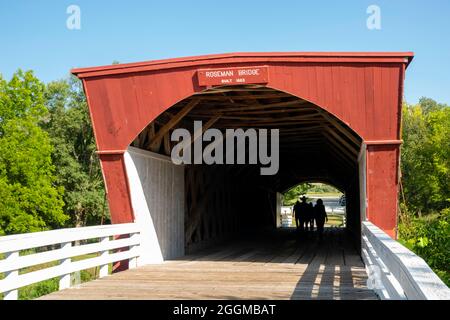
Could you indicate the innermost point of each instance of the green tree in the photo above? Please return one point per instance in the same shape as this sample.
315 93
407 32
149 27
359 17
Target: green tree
79 170
425 157
425 161
30 200
293 194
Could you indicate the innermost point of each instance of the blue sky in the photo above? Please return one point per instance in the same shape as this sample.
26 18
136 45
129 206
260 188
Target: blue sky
33 34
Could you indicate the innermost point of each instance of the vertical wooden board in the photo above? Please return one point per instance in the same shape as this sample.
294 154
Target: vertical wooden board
382 187
353 105
369 93
392 97
117 188
328 98
338 87
321 78
358 117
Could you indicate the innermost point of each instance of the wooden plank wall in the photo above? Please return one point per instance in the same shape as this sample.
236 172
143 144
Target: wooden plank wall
163 186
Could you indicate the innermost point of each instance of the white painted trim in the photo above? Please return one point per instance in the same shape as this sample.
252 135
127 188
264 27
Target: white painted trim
48 273
150 154
404 274
60 254
11 245
45 238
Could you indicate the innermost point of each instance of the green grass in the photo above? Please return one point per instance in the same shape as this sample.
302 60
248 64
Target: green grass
324 194
334 220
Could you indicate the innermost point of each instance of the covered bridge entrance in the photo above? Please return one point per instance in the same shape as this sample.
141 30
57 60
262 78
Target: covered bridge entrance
338 116
204 229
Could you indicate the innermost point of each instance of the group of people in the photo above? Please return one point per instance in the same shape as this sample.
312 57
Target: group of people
306 214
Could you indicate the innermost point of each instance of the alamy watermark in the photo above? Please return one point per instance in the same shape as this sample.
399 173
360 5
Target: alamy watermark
373 21
374 281
236 146
73 21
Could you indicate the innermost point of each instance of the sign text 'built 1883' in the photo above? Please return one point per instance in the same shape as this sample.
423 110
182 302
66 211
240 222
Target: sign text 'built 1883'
228 76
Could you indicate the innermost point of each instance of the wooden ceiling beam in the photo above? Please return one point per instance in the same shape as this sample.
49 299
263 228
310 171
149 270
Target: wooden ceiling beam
339 127
155 143
342 141
343 153
244 97
292 103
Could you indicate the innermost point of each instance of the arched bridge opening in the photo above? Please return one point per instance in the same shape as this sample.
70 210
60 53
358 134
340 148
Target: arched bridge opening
337 116
224 200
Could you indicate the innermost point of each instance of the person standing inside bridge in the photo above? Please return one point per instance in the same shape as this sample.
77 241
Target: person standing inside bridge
297 213
301 213
320 215
310 217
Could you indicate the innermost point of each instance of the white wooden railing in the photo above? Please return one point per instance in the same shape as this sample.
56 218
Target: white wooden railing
62 241
395 272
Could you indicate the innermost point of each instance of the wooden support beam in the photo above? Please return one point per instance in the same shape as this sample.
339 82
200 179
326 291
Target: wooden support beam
268 124
198 133
339 147
341 152
342 141
156 142
256 106
268 119
167 146
340 128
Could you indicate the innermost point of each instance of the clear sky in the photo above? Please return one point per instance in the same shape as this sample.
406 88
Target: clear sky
34 35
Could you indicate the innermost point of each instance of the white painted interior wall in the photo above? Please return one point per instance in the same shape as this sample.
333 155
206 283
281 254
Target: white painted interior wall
157 197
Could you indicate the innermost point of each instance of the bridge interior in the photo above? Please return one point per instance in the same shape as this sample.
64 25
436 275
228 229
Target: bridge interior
223 201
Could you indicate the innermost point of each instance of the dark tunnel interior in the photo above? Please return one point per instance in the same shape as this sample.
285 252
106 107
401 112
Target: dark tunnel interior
225 200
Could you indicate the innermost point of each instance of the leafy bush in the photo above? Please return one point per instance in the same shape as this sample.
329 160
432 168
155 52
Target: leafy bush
429 237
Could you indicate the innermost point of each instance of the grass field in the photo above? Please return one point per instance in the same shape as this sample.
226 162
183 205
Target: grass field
334 220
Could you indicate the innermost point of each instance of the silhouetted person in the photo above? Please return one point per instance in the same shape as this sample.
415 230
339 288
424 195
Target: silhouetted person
302 213
297 209
320 215
310 218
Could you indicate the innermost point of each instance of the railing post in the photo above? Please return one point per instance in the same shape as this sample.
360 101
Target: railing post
12 275
104 268
64 281
132 263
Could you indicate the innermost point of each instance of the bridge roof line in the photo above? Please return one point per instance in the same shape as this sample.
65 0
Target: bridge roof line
242 57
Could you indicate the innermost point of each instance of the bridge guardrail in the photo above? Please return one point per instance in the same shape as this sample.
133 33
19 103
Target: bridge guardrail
63 239
396 272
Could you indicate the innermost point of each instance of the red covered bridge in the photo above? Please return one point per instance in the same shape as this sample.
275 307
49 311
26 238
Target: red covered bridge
339 121
338 113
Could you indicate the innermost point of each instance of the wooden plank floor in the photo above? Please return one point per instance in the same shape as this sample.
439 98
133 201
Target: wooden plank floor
276 265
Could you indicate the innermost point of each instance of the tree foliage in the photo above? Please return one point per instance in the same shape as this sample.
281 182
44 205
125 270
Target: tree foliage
293 194
425 204
79 171
30 199
425 159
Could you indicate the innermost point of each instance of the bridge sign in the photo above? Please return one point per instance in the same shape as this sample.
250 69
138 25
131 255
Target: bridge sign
229 76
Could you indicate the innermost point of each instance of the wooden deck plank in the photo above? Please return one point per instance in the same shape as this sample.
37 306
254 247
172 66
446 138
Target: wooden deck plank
285 265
